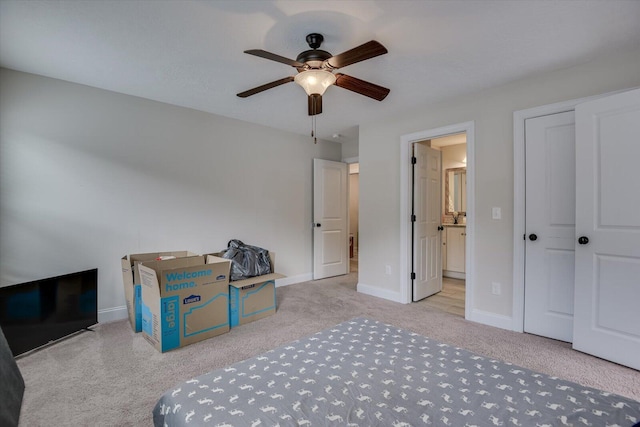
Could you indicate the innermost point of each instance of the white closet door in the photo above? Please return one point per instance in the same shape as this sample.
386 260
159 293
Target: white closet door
550 225
607 267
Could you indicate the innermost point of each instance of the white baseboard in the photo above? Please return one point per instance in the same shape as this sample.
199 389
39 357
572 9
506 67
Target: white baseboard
454 274
491 319
113 313
294 279
377 292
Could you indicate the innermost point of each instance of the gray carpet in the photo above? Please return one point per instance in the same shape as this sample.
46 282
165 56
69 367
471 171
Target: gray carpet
114 377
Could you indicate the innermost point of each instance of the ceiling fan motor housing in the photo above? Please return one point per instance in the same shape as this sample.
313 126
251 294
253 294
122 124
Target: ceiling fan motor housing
314 57
314 40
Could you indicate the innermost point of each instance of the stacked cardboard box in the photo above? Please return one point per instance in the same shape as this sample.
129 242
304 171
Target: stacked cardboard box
131 281
253 298
184 300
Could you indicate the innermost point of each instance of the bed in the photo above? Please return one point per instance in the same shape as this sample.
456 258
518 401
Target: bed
366 373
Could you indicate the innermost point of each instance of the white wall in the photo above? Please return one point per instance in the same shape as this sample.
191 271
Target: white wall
87 176
350 149
492 110
454 156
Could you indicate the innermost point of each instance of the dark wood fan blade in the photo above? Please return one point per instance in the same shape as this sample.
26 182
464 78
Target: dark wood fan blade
264 87
360 86
272 56
365 51
315 104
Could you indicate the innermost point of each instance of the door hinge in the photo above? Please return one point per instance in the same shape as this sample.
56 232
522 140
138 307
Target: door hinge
413 218
414 160
413 276
524 236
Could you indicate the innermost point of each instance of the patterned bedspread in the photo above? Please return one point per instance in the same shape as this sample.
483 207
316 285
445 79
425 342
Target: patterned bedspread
366 373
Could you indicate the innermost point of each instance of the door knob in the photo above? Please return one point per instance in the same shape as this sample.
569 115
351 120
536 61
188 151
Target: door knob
583 240
440 228
533 237
318 224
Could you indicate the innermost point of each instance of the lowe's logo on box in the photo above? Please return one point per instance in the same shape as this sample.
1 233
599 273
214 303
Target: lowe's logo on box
221 276
182 279
191 299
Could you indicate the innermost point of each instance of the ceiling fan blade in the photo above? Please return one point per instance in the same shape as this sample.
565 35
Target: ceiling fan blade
365 51
360 86
315 104
272 56
264 87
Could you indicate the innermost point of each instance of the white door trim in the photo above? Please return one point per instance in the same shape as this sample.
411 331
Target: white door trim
519 223
405 208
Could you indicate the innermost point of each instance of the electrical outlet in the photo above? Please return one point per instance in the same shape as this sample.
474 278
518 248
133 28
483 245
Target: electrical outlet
495 288
387 269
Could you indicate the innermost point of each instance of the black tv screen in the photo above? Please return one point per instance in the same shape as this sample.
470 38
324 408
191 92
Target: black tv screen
35 313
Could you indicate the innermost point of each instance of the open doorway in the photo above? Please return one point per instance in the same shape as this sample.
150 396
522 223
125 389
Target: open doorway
354 182
453 213
406 200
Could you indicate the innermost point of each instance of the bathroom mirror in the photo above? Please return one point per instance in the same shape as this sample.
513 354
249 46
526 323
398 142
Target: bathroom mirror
455 190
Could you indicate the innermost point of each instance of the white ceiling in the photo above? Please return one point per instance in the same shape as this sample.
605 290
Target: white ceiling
190 53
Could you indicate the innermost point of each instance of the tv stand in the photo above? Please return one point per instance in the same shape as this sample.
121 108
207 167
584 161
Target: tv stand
50 343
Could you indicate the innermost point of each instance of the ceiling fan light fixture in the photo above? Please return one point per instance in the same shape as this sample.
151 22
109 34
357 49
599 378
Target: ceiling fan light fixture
315 81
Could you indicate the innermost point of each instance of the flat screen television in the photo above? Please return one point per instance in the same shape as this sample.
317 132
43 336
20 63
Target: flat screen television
36 313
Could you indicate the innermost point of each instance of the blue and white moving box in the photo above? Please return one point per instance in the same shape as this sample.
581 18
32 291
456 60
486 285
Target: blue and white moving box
184 300
253 298
131 281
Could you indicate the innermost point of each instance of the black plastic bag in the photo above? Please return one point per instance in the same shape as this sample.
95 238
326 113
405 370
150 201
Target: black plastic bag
246 260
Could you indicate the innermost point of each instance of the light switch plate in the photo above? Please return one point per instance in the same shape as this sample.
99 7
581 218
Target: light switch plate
496 213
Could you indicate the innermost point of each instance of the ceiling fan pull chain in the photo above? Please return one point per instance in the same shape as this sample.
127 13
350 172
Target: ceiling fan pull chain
313 131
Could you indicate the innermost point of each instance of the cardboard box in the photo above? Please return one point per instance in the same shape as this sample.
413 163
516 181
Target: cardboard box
184 300
131 281
253 298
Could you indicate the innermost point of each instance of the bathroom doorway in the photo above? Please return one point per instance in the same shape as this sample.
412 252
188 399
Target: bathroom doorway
453 213
354 181
464 302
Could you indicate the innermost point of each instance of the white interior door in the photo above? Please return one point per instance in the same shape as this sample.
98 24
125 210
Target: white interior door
427 264
607 266
550 225
330 209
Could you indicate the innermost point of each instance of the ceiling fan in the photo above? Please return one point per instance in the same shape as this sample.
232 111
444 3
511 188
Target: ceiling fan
315 71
